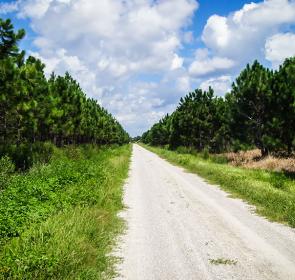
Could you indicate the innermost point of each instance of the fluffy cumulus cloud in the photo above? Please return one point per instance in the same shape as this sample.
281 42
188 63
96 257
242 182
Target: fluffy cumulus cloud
278 47
118 37
256 31
6 8
112 47
241 36
204 65
220 85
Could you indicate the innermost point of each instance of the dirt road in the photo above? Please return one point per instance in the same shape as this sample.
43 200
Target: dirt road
180 227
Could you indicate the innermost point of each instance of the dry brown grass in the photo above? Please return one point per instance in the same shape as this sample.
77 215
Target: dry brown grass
253 159
243 157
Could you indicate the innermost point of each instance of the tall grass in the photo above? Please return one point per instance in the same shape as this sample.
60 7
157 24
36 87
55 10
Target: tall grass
59 220
273 193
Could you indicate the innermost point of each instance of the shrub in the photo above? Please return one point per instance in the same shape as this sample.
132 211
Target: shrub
218 159
24 155
185 150
205 153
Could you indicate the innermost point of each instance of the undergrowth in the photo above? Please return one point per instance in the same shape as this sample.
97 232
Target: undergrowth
58 221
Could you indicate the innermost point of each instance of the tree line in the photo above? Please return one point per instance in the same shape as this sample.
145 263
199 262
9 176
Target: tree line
259 111
34 109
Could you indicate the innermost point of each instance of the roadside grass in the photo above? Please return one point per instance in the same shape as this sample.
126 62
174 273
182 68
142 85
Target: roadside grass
273 193
59 221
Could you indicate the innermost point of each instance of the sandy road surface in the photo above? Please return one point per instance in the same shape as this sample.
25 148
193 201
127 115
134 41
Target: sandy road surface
179 226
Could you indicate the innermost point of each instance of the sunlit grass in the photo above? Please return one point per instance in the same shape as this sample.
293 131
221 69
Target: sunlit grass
69 232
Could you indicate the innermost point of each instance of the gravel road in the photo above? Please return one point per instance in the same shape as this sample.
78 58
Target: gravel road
180 227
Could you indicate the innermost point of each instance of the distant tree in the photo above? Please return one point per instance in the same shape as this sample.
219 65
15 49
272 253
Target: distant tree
259 112
283 106
192 122
251 93
136 139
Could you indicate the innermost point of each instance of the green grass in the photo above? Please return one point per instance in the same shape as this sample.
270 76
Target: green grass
272 193
59 221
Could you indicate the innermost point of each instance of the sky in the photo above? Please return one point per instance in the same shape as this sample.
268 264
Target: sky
138 57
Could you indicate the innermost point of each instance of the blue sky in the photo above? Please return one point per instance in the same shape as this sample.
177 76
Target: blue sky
138 57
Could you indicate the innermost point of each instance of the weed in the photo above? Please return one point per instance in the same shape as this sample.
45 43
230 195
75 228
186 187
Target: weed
222 261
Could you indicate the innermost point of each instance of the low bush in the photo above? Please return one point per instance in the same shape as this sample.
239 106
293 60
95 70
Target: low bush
25 154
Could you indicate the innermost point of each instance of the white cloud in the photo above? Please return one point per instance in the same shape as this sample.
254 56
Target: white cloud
204 65
210 65
177 62
50 63
183 84
279 47
188 37
62 61
221 85
6 8
217 32
241 35
38 8
240 14
141 107
35 9
134 36
256 31
269 13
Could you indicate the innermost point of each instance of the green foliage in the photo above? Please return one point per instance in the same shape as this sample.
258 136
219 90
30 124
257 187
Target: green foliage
185 150
251 111
159 134
58 221
34 109
9 39
199 122
258 112
282 130
273 193
25 154
6 170
205 153
70 245
220 159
